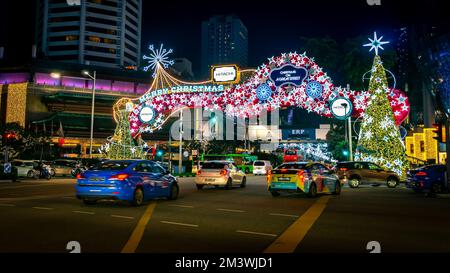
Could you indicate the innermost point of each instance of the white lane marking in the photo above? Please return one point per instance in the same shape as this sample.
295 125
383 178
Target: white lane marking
43 208
182 206
7 205
256 233
231 210
178 224
84 212
120 216
284 215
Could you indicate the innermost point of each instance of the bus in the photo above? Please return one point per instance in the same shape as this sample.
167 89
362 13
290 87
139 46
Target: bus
243 161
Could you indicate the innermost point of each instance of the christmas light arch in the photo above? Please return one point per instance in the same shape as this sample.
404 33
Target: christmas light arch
312 90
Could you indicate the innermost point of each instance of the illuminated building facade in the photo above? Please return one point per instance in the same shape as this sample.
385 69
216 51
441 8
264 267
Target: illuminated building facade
103 33
61 107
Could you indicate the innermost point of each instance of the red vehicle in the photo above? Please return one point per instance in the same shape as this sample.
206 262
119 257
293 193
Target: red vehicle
290 155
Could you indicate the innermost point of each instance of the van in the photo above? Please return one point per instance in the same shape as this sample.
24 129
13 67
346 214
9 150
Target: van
261 167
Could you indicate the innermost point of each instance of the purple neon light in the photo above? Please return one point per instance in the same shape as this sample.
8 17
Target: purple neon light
8 78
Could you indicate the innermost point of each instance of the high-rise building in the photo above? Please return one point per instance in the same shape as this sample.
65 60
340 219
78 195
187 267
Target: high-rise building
224 41
103 33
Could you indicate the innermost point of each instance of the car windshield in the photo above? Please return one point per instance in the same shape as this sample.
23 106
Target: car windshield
258 163
112 166
295 166
213 165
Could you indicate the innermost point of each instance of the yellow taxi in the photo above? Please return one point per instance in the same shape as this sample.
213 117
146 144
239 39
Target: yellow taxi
303 177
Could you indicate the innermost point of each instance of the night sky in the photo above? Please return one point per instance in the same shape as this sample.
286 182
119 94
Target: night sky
274 26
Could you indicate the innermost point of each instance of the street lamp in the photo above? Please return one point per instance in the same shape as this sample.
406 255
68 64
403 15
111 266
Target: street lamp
94 78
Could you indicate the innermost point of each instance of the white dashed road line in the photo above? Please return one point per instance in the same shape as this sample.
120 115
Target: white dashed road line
182 206
7 205
43 208
84 212
120 216
256 233
231 210
178 224
284 215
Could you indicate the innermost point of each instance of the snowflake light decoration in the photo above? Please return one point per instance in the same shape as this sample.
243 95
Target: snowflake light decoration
376 43
157 57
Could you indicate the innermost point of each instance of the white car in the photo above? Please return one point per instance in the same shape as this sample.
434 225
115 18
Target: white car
220 173
261 167
24 167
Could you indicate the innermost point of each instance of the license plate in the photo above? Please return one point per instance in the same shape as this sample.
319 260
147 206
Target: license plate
210 180
284 179
97 179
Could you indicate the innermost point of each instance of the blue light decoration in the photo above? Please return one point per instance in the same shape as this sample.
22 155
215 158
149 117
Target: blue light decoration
376 43
314 89
263 92
157 57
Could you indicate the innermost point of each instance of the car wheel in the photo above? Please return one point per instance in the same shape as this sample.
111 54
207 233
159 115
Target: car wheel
200 187
312 190
274 193
392 182
244 182
138 197
354 183
30 174
89 202
174 191
229 184
337 188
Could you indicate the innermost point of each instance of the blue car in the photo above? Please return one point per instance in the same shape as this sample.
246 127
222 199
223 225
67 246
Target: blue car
429 178
134 181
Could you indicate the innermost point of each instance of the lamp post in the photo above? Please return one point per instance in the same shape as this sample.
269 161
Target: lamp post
94 78
348 133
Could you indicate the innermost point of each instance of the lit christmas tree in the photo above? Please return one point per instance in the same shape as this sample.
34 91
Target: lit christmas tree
122 145
379 138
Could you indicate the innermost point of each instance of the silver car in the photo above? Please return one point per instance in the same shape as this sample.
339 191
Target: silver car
24 167
63 167
220 173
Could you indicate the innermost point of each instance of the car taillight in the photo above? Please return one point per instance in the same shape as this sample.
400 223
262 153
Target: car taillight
301 175
80 176
343 169
223 172
421 174
119 177
199 172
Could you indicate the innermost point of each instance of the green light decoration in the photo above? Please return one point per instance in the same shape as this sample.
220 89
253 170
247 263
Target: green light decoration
122 145
379 138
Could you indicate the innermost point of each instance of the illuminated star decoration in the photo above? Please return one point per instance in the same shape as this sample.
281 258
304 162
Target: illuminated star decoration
376 43
158 57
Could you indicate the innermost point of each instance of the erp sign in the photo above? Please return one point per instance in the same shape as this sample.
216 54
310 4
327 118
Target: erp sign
288 74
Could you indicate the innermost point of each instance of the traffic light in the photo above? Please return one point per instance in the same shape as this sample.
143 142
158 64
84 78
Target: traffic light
439 130
345 152
160 153
8 137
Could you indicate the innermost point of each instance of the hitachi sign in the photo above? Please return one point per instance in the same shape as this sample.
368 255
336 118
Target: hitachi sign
225 74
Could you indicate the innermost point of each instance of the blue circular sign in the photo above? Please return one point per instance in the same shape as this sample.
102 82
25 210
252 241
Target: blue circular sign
314 90
263 92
